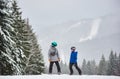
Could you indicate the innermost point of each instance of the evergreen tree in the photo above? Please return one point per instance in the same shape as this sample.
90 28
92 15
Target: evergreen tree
22 35
8 56
115 67
19 27
110 70
93 67
118 66
89 68
19 49
35 63
64 68
102 66
18 24
84 67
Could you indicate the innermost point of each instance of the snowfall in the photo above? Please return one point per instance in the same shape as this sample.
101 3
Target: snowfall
45 76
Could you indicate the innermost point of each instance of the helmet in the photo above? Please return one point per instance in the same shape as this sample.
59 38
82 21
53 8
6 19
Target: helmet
54 44
73 48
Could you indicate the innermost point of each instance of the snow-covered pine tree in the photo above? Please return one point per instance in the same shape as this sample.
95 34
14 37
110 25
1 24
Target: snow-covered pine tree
18 25
102 68
93 67
35 62
25 39
15 41
111 62
88 68
84 67
118 65
115 64
64 68
8 53
22 38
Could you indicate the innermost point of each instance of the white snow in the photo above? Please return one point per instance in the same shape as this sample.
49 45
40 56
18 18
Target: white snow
73 26
93 32
45 76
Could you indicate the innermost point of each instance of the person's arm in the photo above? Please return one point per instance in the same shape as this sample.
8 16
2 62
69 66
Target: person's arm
49 55
58 55
76 55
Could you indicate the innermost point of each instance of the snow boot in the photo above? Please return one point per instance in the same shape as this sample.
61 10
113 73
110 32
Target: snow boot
59 73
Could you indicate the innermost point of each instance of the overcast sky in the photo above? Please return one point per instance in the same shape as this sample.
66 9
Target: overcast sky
44 14
48 12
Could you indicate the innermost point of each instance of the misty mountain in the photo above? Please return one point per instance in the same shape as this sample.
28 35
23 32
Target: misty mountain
92 37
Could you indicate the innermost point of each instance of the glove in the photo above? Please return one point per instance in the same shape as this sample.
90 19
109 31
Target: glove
58 59
49 60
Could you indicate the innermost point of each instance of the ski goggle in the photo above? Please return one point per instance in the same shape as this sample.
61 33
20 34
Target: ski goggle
73 48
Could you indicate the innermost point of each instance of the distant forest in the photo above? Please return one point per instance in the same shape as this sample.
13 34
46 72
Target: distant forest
105 67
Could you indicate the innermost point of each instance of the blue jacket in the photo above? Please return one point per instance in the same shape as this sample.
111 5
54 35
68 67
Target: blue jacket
73 57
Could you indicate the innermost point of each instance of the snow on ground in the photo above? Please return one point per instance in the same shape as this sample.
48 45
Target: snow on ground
45 76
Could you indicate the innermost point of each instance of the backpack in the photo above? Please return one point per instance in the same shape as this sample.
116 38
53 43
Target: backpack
53 53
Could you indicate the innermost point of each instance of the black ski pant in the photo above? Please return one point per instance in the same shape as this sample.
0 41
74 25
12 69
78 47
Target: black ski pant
76 66
51 66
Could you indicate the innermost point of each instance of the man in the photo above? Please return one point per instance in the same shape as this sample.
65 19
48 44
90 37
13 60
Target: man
73 61
53 56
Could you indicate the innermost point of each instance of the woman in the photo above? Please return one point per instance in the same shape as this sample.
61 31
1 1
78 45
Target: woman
53 56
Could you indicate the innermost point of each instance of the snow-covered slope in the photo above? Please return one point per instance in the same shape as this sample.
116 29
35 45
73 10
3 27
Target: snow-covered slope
92 37
59 77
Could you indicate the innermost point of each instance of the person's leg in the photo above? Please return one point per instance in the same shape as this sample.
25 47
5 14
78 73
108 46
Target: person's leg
50 67
58 66
70 67
78 69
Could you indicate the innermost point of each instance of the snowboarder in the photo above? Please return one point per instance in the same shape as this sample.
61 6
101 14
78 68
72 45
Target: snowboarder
73 61
54 57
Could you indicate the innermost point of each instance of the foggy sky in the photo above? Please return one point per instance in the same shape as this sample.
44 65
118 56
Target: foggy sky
48 12
46 15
